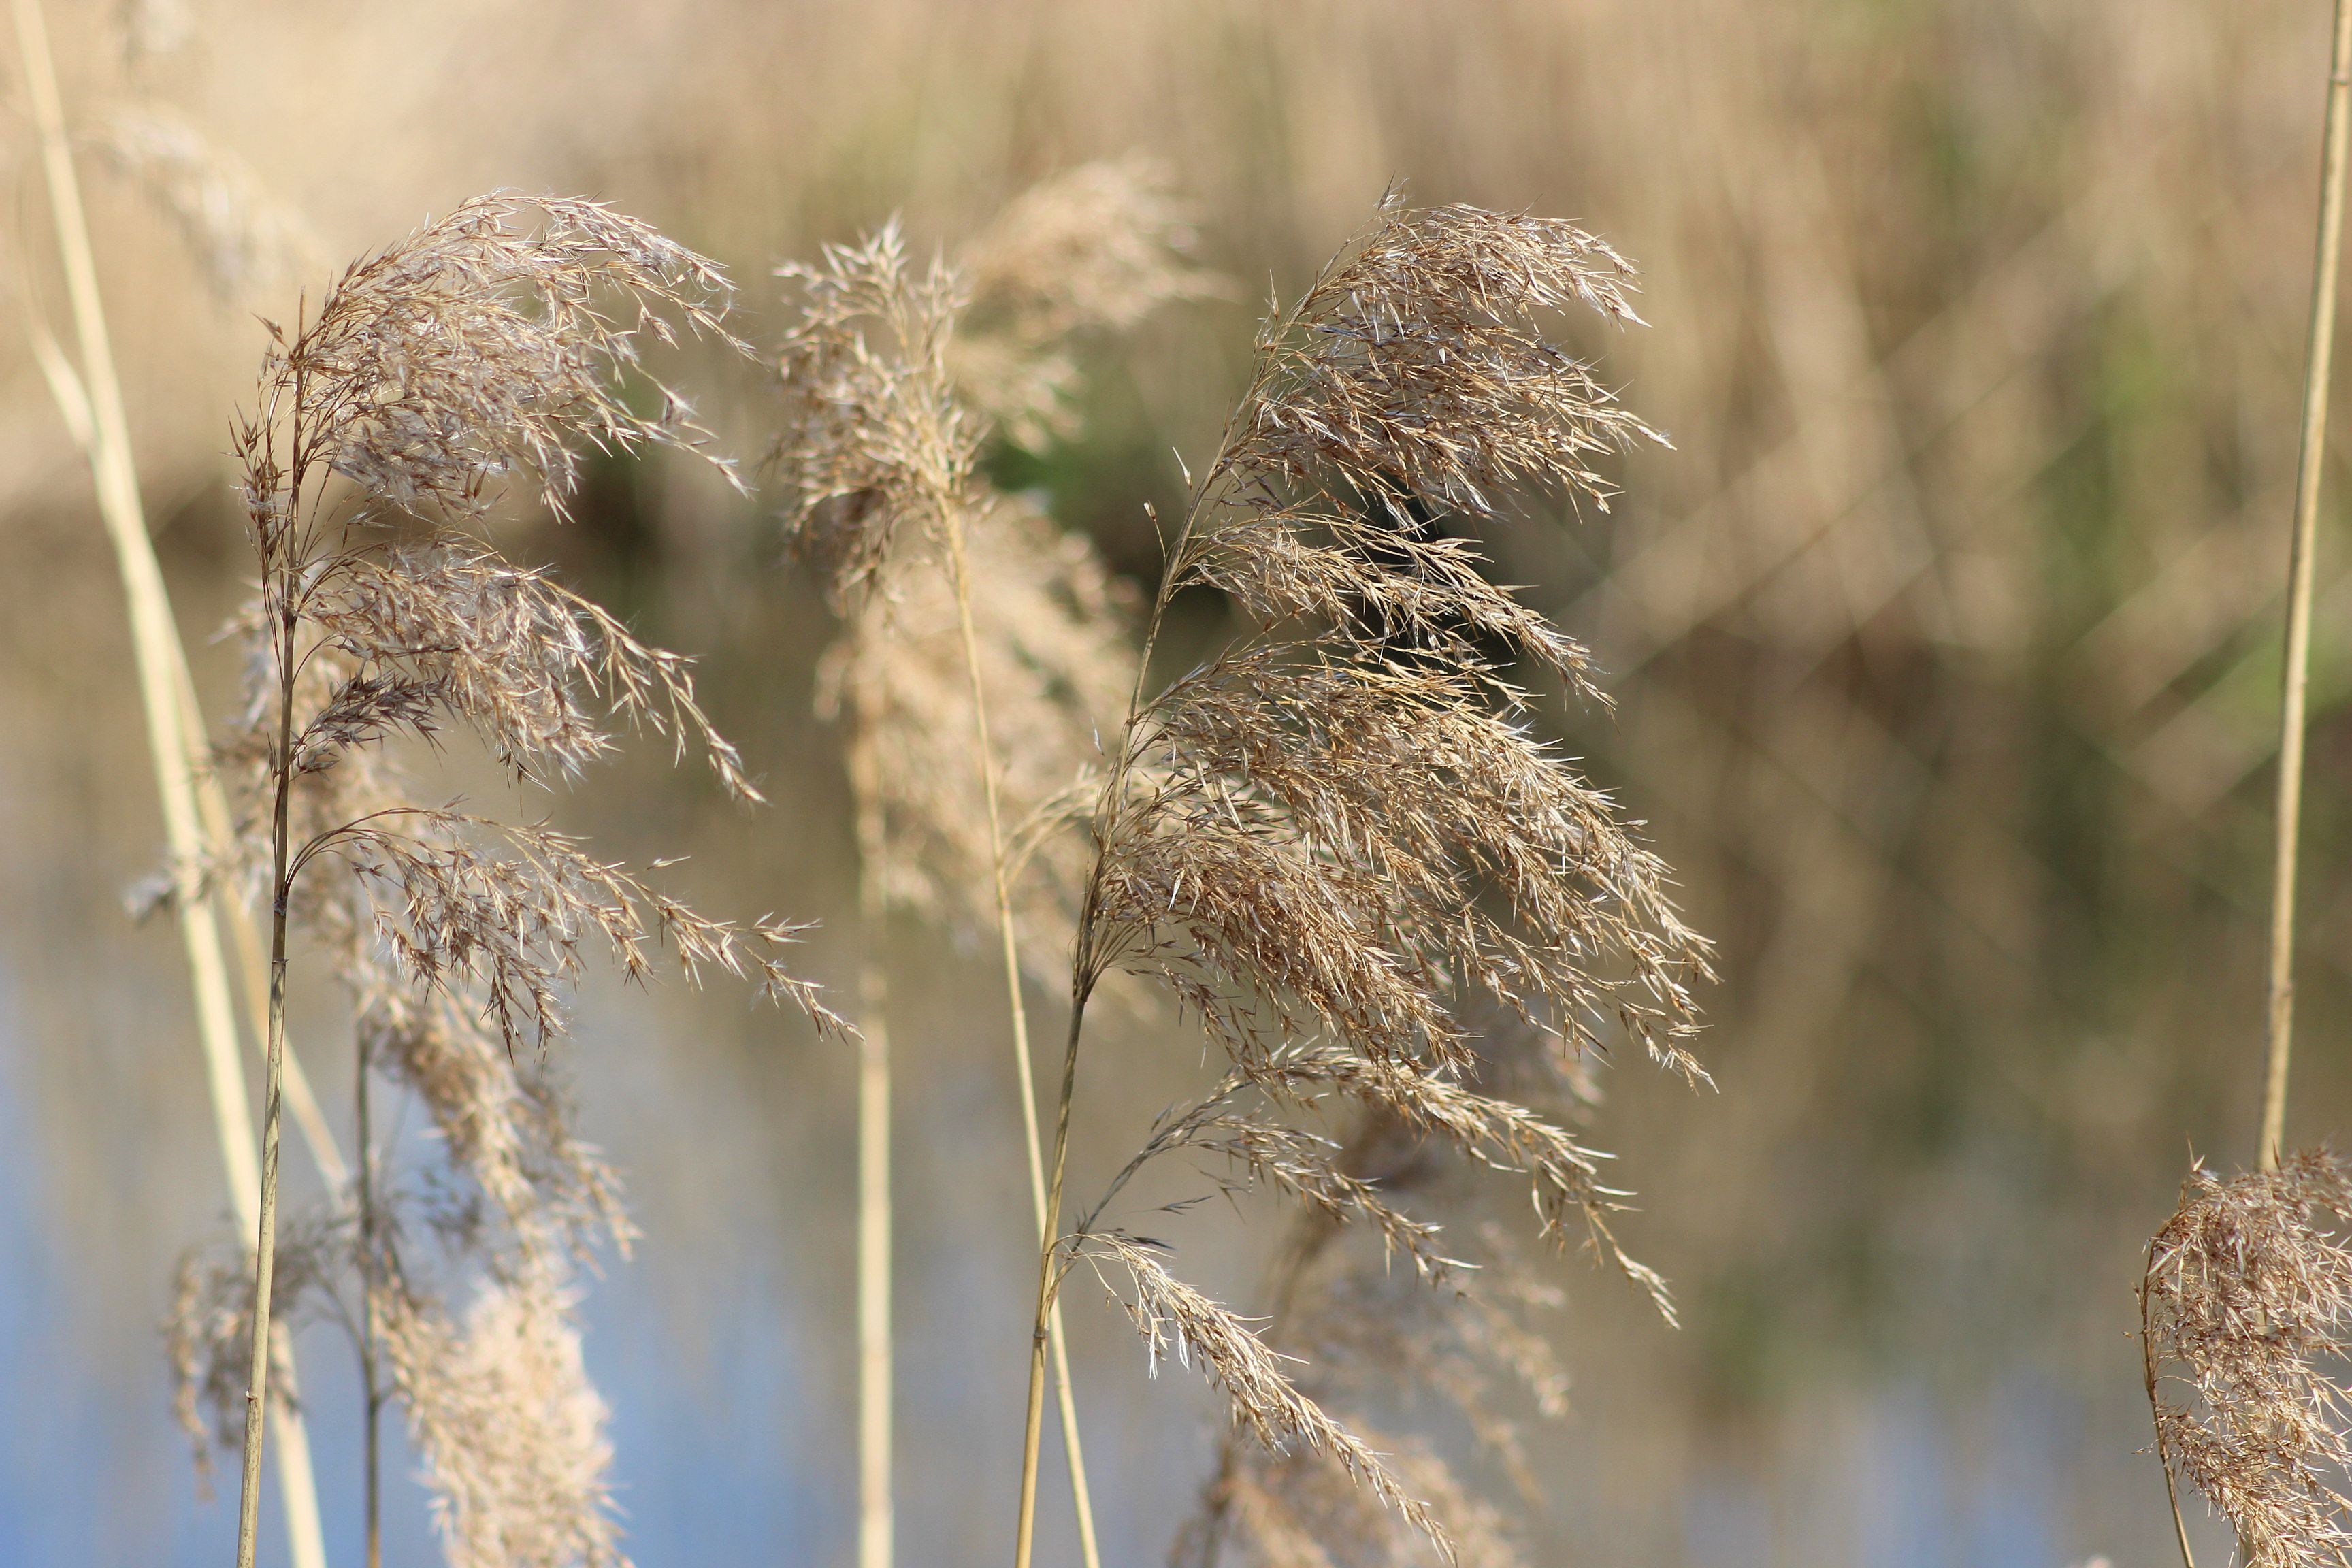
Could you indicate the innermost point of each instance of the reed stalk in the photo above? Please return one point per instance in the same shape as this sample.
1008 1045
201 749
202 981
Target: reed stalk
282 619
2242 1476
1009 947
91 398
371 1383
1084 973
2329 247
877 1521
887 407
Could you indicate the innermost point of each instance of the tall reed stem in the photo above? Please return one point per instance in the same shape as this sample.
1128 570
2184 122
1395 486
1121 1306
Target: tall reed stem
1011 945
1084 973
372 1437
279 602
1047 1253
877 1521
91 399
2317 358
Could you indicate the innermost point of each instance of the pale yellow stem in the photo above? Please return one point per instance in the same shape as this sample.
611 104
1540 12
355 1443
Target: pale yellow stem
876 1515
2297 676
96 418
1008 939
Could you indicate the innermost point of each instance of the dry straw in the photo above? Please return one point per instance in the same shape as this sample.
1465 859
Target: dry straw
1338 841
2310 463
479 354
196 816
985 648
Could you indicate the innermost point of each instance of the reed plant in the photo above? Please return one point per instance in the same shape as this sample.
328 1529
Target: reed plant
473 359
1338 841
984 648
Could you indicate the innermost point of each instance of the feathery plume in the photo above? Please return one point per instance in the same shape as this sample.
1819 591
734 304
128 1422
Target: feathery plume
1336 838
510 1431
2246 1304
475 357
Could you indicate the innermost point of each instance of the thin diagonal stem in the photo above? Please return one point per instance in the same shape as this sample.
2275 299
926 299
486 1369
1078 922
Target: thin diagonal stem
2297 676
959 567
100 422
1025 1534
283 618
253 968
371 1380
1083 973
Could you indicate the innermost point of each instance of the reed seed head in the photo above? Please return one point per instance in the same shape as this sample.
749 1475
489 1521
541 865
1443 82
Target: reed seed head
1338 842
2247 1303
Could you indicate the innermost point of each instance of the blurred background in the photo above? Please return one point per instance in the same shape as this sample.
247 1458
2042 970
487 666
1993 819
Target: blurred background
1943 645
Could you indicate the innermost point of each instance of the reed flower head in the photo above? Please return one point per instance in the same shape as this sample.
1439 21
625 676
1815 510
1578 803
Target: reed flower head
895 376
1338 841
2246 1305
510 1431
489 345
476 358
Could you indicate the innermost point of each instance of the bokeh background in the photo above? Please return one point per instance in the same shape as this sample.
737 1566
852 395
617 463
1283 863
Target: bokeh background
1944 644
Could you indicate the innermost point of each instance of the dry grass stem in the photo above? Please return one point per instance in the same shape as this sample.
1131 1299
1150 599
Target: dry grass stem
90 398
2296 678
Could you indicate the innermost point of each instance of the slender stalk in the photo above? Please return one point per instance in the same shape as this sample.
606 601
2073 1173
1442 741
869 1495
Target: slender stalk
1010 943
280 605
877 1522
2292 704
91 399
372 1385
1083 973
1048 1281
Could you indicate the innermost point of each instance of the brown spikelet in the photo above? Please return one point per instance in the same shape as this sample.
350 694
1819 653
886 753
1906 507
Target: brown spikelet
2246 1306
1367 1337
1181 1323
488 345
